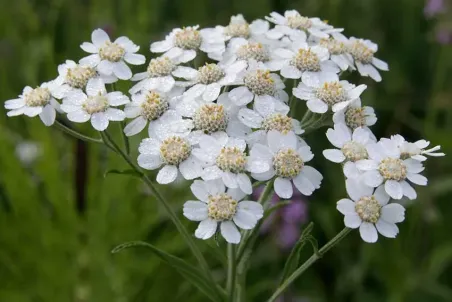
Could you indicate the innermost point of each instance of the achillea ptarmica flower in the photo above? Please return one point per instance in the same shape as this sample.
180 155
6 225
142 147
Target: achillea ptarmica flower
148 106
416 150
38 101
363 52
325 91
351 147
355 115
338 49
285 158
297 27
224 158
218 206
96 105
370 211
109 57
185 42
385 168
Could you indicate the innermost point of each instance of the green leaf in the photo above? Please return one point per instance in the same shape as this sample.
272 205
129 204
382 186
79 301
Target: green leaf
123 172
188 271
294 258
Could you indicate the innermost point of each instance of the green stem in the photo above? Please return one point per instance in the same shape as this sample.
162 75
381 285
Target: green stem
125 139
230 284
180 227
76 134
308 263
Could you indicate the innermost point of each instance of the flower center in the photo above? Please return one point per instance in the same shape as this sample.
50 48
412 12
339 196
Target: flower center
361 52
237 30
95 104
255 51
354 151
260 82
334 47
154 106
78 76
287 163
111 52
210 118
299 22
231 159
221 207
210 73
188 38
38 97
306 60
355 117
331 93
392 169
278 122
174 150
368 209
160 67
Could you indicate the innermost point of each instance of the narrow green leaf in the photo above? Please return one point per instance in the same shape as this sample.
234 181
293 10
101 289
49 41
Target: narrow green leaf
294 258
122 172
188 271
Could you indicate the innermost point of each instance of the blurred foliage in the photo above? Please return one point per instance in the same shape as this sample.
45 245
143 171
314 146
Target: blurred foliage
59 217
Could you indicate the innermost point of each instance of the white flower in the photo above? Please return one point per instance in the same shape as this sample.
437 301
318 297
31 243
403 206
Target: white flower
209 117
149 106
184 42
209 79
416 150
224 158
96 105
325 91
295 26
28 152
303 61
216 206
363 52
385 167
370 212
173 152
352 147
354 116
108 57
73 77
285 158
338 49
32 102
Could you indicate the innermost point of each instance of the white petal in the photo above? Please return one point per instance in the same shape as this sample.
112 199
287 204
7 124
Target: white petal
115 114
393 213
346 207
194 91
117 98
417 179
195 210
278 141
303 185
79 116
211 92
314 176
381 195
356 189
211 173
264 176
190 168
135 126
350 170
372 178
15 104
48 115
380 64
199 189
252 207
89 47
291 72
283 187
334 155
167 174
366 165
149 162
229 180
134 59
91 60
245 220
389 230
161 46
32 111
240 96
317 106
206 229
352 221
229 232
368 232
122 71
244 183
394 189
250 118
105 67
408 190
99 121
99 37
305 153
95 86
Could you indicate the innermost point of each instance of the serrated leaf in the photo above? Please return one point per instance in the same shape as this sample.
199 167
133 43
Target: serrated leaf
123 172
188 271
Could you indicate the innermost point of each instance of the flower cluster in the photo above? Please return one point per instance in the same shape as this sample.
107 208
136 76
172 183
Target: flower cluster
226 124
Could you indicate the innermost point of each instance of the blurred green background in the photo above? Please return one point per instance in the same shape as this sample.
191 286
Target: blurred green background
60 217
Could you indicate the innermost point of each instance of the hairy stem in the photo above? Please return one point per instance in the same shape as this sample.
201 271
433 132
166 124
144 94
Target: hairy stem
76 134
125 138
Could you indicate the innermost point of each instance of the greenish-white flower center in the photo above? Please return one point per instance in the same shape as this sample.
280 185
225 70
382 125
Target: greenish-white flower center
210 118
260 82
237 30
210 73
299 22
95 104
354 151
355 117
278 122
154 105
331 93
361 52
221 207
335 47
231 159
368 209
306 60
37 97
160 67
79 76
175 150
188 38
255 51
287 163
392 169
112 52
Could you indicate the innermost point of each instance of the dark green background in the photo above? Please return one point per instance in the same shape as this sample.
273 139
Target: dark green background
60 218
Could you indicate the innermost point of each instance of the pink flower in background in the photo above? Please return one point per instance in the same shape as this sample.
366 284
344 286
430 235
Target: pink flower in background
444 36
434 7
